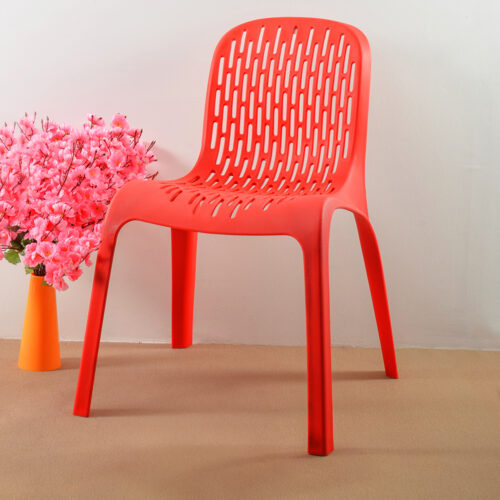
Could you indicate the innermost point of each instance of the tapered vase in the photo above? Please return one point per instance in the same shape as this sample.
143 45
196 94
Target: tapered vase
40 338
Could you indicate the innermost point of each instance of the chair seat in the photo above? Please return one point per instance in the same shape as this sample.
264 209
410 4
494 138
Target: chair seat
224 207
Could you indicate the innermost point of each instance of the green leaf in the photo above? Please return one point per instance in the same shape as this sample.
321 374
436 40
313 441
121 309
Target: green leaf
28 269
16 244
12 256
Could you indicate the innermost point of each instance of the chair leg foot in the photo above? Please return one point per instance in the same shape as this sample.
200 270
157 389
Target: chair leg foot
80 411
375 273
184 245
320 449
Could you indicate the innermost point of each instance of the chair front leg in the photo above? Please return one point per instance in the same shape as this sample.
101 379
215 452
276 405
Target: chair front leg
184 245
319 371
94 326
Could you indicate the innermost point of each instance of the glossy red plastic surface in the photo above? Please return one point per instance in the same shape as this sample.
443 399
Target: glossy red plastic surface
283 147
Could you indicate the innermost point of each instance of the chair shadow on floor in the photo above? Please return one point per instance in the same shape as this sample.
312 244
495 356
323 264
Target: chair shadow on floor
73 363
239 378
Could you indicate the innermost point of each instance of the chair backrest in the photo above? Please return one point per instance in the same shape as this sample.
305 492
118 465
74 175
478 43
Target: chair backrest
287 105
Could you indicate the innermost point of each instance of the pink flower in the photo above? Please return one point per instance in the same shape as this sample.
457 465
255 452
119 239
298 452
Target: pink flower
55 278
117 159
74 274
74 259
95 120
94 175
38 228
6 209
4 237
45 249
120 121
31 257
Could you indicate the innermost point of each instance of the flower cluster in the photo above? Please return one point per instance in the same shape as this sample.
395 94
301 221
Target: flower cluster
55 186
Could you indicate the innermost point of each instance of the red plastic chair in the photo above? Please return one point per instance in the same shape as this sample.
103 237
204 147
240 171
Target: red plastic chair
283 147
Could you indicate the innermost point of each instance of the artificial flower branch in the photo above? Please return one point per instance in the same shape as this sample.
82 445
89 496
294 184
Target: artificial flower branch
55 186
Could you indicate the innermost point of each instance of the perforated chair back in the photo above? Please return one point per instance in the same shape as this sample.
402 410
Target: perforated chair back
286 105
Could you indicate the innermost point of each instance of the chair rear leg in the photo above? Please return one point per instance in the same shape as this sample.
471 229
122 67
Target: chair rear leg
94 326
319 371
184 245
375 272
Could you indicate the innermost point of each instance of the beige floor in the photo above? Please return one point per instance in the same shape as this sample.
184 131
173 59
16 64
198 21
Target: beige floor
230 422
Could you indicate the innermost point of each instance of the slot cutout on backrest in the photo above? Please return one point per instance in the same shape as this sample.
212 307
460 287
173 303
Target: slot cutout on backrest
242 41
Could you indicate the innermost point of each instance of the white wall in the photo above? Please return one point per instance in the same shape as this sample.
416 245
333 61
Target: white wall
433 173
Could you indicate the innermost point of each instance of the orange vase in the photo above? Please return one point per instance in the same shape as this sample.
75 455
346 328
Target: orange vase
40 340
